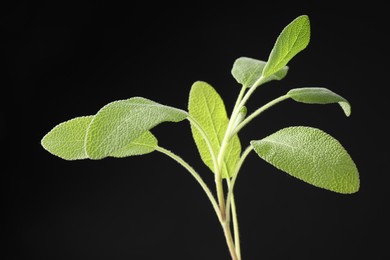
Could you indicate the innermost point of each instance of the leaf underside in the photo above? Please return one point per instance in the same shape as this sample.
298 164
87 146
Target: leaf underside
121 122
319 96
67 141
119 129
144 144
310 155
248 71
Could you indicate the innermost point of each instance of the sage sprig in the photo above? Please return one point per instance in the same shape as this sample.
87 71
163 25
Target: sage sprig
123 128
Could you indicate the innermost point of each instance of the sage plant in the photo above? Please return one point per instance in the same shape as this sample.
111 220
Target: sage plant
123 128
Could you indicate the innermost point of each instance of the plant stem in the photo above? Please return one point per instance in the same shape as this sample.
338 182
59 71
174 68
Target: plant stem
220 195
230 194
250 92
239 98
196 124
229 239
258 112
234 246
221 154
197 178
225 224
216 166
231 204
236 230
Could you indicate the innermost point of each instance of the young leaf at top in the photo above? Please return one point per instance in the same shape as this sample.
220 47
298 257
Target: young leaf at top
144 144
207 108
310 155
66 140
293 39
120 122
247 71
319 96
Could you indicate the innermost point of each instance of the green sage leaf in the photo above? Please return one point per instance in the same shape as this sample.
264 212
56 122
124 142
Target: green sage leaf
319 96
119 123
293 39
144 144
207 108
248 71
66 140
310 155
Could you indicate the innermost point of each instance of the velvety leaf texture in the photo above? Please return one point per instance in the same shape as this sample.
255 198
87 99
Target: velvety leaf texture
207 107
144 144
311 155
66 140
121 122
319 96
293 39
247 71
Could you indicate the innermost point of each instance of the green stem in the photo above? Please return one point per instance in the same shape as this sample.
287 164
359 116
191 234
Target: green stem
216 166
229 129
220 195
258 112
230 195
222 150
231 204
197 178
250 92
196 124
229 240
236 231
234 246
239 98
225 225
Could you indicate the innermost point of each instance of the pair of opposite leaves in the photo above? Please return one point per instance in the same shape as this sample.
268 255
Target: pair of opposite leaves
121 128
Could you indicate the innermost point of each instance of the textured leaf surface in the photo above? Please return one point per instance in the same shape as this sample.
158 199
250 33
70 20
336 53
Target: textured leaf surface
247 71
319 96
121 122
144 144
66 140
207 107
293 39
311 155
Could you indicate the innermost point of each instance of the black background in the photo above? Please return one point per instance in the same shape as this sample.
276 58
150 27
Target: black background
64 61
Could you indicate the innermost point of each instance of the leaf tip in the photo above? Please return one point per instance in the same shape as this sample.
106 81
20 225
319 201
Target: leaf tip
346 108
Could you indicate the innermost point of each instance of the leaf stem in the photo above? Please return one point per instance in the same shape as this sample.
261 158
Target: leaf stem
220 195
225 224
239 98
230 194
258 112
217 168
250 92
196 124
229 240
236 231
222 150
196 176
231 204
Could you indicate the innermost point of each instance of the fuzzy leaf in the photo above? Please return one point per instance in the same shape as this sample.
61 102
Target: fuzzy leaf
66 140
119 123
247 71
293 39
207 108
144 144
310 155
319 96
